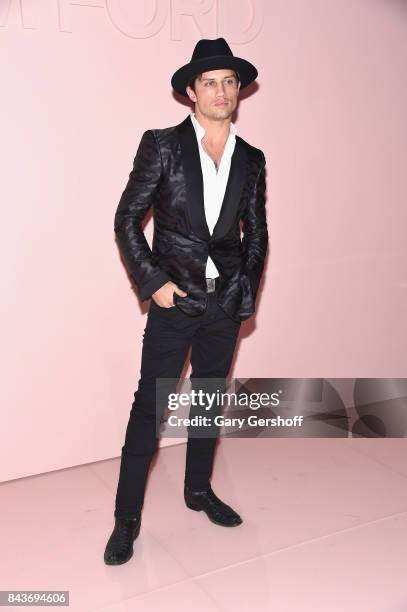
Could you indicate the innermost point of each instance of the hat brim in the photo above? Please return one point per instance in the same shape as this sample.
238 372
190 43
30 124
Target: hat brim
183 75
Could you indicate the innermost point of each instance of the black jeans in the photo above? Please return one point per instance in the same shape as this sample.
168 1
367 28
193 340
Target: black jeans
168 335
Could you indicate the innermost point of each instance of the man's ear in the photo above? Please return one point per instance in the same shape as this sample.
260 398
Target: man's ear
191 94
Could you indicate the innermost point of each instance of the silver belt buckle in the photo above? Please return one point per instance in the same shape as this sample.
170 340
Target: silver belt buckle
210 285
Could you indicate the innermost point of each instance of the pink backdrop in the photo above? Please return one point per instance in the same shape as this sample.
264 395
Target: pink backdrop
80 84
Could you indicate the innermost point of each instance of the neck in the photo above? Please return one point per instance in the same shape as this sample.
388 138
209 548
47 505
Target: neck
215 130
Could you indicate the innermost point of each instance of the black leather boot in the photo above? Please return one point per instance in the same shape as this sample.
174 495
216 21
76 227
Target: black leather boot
217 511
119 547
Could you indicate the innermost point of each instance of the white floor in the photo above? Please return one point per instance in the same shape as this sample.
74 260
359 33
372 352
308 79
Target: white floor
324 529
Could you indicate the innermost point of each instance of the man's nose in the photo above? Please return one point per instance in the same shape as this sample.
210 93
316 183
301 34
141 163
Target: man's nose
220 90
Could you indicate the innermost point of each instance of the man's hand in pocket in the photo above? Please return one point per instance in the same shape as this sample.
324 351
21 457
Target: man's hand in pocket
164 295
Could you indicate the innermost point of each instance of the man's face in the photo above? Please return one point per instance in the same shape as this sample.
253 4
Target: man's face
216 93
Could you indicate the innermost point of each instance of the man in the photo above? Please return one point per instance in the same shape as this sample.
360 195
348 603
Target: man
202 180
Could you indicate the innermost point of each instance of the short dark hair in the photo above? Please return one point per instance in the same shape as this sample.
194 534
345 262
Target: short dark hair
191 82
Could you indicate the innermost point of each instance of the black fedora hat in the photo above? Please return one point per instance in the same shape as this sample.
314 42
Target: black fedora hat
212 55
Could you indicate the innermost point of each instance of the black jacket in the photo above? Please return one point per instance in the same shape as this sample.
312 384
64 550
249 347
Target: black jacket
167 174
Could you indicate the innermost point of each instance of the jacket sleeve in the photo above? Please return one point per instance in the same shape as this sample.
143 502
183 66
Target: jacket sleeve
140 193
255 233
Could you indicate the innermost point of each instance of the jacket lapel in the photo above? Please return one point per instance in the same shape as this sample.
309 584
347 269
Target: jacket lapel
194 183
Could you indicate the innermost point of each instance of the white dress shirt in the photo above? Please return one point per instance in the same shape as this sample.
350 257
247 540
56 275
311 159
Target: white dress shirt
214 183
